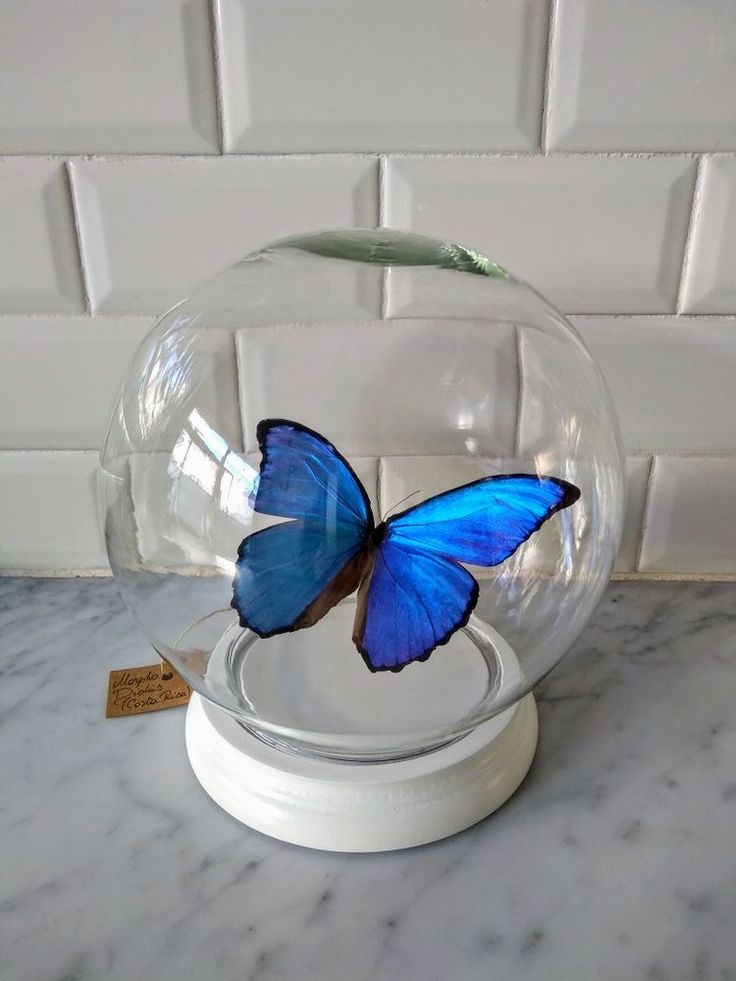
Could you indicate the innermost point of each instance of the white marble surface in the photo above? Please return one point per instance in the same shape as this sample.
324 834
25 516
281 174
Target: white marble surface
616 860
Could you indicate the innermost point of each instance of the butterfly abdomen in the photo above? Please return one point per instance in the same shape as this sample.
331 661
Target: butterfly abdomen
343 584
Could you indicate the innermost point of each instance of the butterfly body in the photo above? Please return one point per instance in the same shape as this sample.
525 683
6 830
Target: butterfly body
414 591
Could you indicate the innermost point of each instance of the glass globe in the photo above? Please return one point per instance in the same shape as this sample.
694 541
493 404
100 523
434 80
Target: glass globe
427 366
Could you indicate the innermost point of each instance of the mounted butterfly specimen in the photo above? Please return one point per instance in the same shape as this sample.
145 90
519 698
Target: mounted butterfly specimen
413 592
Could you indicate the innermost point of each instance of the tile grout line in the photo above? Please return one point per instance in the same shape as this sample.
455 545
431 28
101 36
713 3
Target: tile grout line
380 479
382 193
646 513
560 154
384 293
704 453
217 72
701 454
134 155
50 451
547 78
693 222
519 394
240 377
238 388
153 315
673 577
65 315
382 189
650 316
72 572
76 216
90 572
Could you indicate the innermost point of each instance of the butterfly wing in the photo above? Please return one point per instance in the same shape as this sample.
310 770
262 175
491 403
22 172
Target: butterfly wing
418 594
289 575
412 602
483 522
303 476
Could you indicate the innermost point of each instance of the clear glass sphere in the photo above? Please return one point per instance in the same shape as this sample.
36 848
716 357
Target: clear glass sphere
427 366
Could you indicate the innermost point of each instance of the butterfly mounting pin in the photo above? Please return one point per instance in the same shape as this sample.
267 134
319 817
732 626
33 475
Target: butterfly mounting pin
414 592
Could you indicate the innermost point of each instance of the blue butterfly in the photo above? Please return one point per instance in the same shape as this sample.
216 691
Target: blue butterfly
413 593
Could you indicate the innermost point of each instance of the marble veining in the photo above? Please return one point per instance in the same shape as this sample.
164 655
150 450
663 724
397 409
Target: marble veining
616 860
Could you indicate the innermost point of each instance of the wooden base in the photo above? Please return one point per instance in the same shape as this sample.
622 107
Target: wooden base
360 807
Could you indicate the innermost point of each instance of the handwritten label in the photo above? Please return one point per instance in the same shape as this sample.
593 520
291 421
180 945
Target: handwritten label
131 691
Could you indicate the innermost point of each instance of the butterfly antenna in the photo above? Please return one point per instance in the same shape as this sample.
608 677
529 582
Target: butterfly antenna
393 508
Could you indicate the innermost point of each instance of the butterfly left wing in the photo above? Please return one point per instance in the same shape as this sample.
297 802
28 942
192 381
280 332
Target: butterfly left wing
289 575
418 594
302 475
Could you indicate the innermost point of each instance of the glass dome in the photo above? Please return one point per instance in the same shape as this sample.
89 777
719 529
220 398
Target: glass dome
426 367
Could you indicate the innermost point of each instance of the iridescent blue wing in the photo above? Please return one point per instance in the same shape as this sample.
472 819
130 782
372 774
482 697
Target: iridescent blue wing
412 602
418 594
483 522
288 576
303 476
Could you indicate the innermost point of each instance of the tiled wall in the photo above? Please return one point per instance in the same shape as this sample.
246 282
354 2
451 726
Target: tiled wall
587 145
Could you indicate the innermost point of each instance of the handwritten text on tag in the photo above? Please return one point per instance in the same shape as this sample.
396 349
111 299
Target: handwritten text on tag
131 691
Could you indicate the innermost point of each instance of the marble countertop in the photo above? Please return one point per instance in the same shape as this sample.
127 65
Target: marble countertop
616 859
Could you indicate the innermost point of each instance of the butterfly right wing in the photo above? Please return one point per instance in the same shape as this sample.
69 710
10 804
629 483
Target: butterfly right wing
412 602
289 575
485 521
419 594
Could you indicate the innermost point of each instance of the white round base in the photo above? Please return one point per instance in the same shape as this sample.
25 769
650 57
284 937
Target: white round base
360 807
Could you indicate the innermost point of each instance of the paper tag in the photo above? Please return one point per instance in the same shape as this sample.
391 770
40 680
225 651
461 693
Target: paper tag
131 691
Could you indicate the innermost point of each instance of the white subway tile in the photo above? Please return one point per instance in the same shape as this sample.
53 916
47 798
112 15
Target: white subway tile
366 76
154 229
293 283
48 519
643 75
385 387
120 76
181 388
59 376
39 260
187 510
637 476
425 476
419 291
690 526
710 284
672 380
592 234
